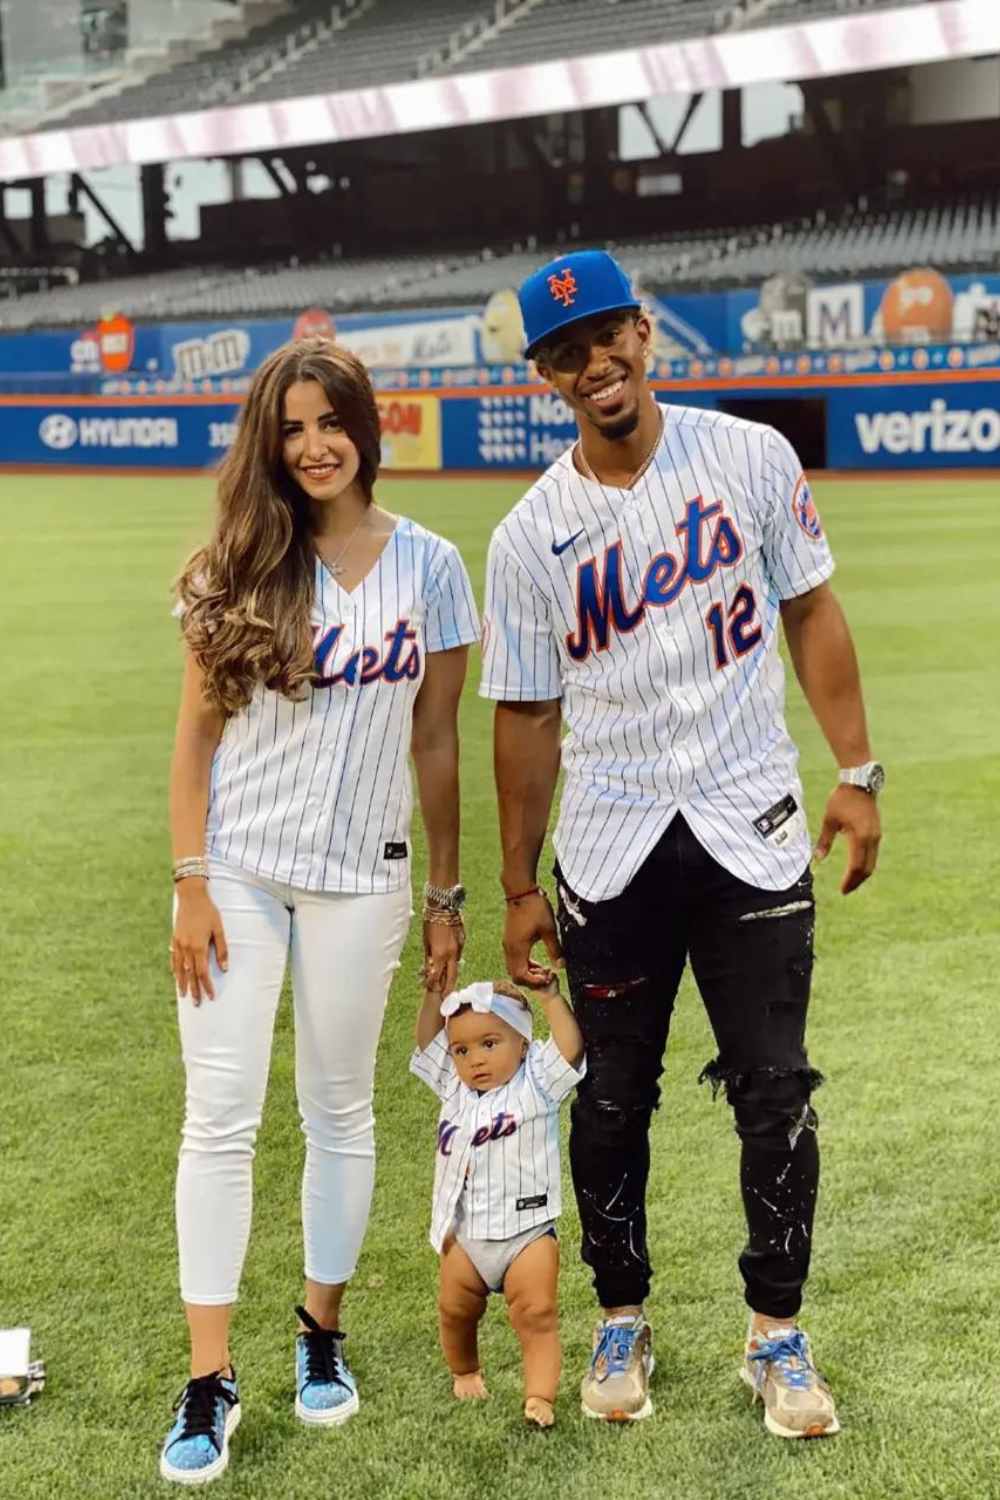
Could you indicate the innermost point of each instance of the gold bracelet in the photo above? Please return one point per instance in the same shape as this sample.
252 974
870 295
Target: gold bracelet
438 918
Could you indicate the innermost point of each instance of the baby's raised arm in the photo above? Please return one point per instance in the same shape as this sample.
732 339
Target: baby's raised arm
562 1023
429 1019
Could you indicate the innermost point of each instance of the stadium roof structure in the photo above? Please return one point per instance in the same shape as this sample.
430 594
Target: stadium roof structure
901 36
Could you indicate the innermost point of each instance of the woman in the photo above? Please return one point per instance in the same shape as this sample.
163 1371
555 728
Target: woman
326 639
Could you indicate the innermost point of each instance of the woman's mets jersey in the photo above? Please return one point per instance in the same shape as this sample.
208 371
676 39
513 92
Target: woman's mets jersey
316 793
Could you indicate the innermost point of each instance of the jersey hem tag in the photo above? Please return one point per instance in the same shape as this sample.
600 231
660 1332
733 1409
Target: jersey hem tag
395 851
781 822
539 1201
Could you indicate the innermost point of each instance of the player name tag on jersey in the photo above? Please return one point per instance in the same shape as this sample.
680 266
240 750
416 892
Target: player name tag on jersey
781 822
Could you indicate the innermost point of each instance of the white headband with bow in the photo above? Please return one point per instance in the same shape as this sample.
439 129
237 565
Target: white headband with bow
484 998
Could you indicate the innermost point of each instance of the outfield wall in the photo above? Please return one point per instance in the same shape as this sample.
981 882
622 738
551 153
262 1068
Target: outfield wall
844 422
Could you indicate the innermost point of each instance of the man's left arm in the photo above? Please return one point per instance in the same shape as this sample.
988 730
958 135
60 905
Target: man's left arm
826 666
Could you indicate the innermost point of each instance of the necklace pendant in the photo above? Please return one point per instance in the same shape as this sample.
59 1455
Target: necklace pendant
336 568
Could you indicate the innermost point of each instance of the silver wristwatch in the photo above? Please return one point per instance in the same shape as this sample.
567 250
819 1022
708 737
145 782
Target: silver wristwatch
445 897
868 778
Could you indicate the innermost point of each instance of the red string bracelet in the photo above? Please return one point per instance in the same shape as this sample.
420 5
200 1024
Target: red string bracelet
533 890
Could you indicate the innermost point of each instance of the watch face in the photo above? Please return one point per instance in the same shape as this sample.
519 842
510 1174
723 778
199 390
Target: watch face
876 778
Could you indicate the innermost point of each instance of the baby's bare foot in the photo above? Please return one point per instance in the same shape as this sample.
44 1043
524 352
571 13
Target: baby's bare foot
470 1387
539 1411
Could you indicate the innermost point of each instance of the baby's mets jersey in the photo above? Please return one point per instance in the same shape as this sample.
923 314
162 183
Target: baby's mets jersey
499 1148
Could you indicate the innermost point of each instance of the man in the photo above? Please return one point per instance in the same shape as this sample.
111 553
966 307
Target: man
634 597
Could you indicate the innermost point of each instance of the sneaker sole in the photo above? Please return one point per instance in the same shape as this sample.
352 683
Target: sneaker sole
214 1470
619 1415
333 1416
817 1430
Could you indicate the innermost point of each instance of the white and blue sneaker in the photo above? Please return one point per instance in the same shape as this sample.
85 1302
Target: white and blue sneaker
325 1392
616 1386
197 1446
778 1367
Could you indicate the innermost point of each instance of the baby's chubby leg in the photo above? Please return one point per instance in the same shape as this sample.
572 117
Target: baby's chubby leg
530 1290
462 1298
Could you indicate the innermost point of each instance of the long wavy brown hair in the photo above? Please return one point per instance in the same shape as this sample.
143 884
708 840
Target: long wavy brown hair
248 595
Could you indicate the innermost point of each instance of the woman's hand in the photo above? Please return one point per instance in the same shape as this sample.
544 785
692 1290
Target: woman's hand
197 927
442 954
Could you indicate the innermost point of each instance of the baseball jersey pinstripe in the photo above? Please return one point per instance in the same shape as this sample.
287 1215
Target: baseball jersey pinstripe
653 614
317 794
501 1148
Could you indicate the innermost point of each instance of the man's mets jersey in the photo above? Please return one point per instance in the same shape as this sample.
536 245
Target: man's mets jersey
653 614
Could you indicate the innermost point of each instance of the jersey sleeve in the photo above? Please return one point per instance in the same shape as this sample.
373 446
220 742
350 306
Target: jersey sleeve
520 659
434 1066
796 552
551 1074
451 618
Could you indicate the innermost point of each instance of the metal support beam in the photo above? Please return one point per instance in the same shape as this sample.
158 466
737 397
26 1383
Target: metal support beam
80 185
38 231
732 119
832 143
7 236
270 165
682 129
154 208
653 128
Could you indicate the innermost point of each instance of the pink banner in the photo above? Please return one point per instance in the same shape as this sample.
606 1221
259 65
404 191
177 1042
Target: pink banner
898 37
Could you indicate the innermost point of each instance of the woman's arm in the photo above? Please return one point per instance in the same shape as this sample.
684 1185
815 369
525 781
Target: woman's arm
197 924
435 757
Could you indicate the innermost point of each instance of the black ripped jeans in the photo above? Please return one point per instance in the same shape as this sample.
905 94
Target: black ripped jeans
751 952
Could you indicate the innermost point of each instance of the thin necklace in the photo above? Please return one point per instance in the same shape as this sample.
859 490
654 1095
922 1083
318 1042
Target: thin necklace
634 479
335 566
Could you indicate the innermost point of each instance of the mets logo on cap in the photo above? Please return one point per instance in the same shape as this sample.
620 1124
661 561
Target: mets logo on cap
805 512
563 287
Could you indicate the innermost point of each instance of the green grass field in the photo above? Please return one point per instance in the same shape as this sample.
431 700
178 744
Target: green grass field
904 1301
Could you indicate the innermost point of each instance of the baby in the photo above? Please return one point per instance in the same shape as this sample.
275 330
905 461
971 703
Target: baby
497 1190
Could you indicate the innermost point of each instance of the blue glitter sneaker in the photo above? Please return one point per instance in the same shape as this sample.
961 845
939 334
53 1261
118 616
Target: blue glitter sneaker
197 1446
325 1392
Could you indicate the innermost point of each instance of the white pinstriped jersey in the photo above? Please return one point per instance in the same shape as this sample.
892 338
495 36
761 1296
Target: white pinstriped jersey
653 614
500 1148
317 794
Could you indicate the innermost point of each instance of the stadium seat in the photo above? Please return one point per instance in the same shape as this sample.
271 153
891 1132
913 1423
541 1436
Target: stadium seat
961 235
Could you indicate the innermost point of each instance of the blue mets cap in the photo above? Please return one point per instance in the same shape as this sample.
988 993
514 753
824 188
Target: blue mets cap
575 286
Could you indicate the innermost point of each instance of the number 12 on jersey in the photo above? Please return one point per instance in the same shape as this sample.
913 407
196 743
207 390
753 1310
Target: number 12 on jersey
736 631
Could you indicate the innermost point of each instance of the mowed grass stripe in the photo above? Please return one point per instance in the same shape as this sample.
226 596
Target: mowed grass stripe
904 1007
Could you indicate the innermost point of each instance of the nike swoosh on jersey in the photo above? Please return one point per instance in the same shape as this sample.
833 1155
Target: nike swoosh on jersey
559 548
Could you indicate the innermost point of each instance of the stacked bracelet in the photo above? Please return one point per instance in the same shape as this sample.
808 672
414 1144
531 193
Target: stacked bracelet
195 867
438 918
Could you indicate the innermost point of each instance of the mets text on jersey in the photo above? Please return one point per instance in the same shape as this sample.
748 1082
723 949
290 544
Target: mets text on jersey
601 601
502 1126
367 664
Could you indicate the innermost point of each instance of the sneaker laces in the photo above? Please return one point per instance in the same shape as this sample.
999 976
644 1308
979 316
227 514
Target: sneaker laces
615 1348
324 1360
197 1402
790 1355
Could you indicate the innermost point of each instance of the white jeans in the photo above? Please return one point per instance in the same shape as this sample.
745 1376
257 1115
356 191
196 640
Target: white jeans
344 951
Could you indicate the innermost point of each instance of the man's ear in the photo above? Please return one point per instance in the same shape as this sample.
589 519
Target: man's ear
644 328
544 369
